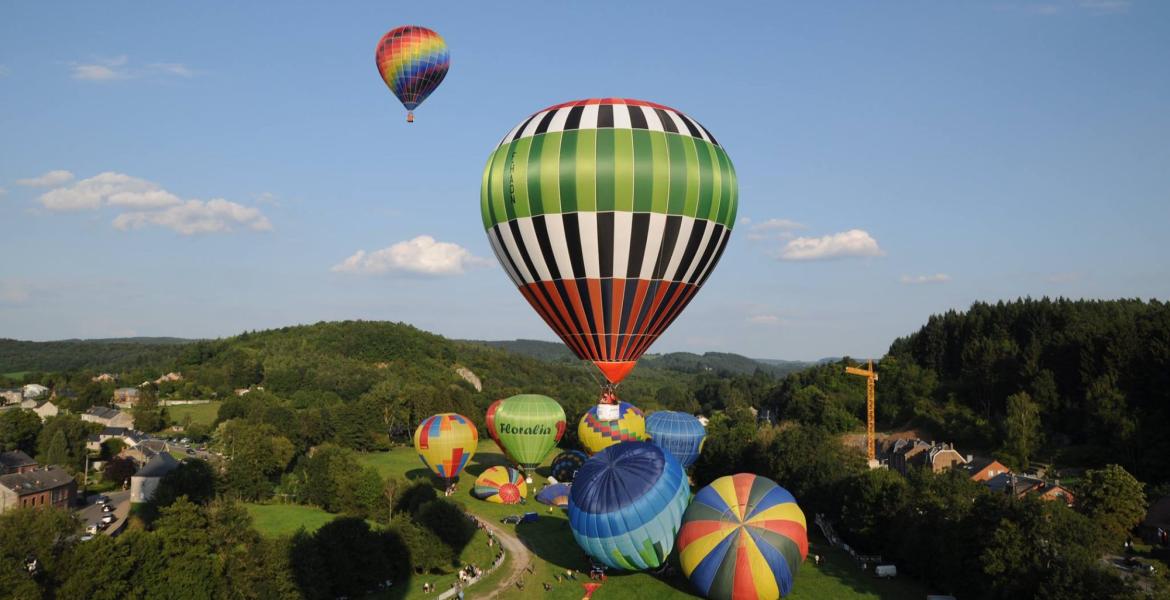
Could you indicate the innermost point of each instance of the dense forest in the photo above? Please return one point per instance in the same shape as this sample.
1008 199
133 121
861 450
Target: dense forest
71 355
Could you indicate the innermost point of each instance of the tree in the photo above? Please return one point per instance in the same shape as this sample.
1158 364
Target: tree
119 470
73 431
99 569
148 415
57 452
258 454
1022 427
186 546
37 533
1113 500
19 429
193 479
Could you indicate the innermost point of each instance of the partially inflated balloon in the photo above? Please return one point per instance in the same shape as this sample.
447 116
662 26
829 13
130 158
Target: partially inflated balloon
526 427
556 494
564 465
502 485
679 433
626 505
596 434
743 536
413 61
445 443
609 215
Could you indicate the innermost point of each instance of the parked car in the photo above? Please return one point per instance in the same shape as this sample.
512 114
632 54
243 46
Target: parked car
92 530
885 571
103 499
108 519
512 519
87 537
107 508
191 451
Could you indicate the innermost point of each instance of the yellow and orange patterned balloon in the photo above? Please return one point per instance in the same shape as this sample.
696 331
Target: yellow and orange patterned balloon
445 443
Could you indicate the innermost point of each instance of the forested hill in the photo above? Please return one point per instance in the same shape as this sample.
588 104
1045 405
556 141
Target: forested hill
69 355
687 362
1089 380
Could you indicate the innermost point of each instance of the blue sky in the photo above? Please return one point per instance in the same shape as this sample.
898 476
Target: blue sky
181 170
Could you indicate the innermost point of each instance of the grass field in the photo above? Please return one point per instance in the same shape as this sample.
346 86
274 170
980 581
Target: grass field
15 374
274 520
203 414
554 549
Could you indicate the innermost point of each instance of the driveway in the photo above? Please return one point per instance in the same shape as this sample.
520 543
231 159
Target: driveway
92 513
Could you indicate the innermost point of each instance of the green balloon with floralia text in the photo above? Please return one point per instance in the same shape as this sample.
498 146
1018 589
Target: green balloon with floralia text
526 427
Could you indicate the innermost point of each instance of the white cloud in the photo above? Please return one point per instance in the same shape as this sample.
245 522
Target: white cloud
196 216
178 69
764 319
774 229
119 67
148 204
12 292
919 279
854 242
49 179
421 255
108 189
105 69
745 220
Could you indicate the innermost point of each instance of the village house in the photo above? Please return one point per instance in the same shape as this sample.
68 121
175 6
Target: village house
129 437
44 408
982 469
1022 485
938 457
34 390
48 486
110 417
16 461
126 396
11 395
172 376
103 378
145 481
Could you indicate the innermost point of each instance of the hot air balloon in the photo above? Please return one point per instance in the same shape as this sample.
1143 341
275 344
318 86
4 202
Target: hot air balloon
565 464
413 61
556 494
609 215
502 485
626 504
526 427
445 443
596 434
679 433
743 536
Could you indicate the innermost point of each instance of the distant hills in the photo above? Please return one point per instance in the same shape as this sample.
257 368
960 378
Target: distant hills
98 354
689 362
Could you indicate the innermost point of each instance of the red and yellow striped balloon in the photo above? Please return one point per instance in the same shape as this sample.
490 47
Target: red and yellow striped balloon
743 537
502 485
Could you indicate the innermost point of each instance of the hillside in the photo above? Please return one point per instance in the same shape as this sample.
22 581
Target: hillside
99 354
686 362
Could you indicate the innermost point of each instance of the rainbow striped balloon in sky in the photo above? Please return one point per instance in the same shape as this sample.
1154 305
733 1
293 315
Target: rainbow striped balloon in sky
413 61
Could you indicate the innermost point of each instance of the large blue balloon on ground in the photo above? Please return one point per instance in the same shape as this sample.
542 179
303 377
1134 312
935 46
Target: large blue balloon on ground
679 433
626 505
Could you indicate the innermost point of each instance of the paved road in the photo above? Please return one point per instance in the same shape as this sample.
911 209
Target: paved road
92 513
520 559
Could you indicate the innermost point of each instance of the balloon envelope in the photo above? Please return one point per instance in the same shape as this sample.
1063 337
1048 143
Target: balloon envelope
502 485
596 435
743 536
526 427
445 443
626 504
679 433
413 61
609 215
556 494
565 464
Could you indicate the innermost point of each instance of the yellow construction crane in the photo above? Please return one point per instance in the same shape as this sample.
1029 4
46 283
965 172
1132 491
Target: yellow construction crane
870 376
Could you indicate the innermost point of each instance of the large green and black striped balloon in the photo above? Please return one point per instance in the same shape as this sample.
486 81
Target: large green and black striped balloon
609 214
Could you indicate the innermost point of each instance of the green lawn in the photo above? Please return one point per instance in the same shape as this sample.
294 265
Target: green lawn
274 520
552 543
16 374
203 414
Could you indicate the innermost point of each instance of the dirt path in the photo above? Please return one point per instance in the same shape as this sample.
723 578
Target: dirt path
518 560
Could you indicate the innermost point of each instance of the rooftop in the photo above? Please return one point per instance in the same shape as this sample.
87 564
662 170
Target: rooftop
15 459
37 480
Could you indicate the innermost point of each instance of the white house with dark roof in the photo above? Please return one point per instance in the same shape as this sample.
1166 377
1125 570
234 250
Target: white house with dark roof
145 481
110 417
